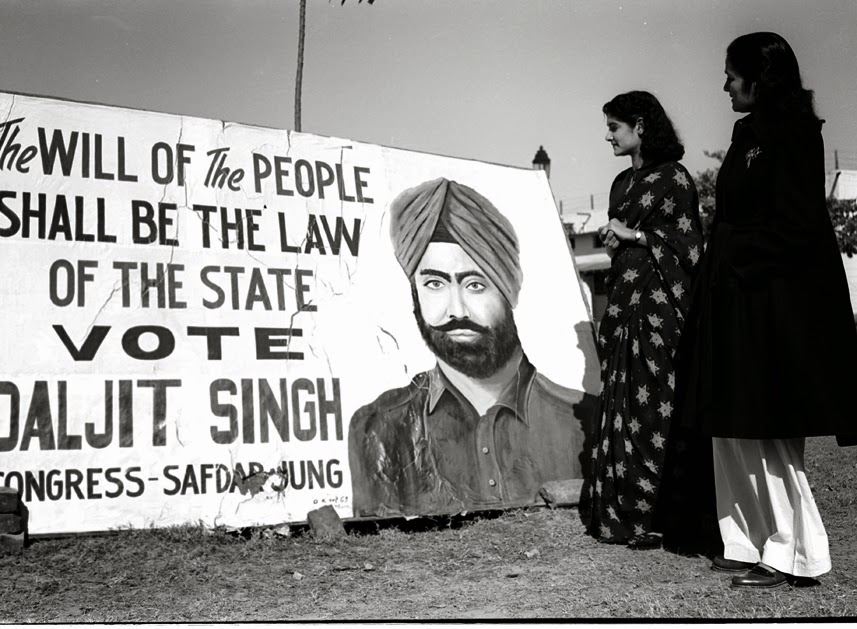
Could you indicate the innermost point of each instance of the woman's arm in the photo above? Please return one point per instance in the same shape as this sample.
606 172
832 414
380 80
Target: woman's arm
616 232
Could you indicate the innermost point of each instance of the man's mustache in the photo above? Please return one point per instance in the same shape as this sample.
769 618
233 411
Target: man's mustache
460 324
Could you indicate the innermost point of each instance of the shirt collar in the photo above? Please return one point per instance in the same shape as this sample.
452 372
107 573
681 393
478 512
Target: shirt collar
515 394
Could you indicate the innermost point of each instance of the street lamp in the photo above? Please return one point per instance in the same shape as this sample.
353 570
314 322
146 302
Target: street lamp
542 162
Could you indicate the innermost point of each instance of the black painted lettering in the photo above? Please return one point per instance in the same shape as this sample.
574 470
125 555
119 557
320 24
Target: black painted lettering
214 338
359 171
159 407
299 386
304 178
219 409
131 477
334 474
111 475
131 342
102 439
92 483
272 410
39 422
8 443
266 341
328 407
9 214
143 216
73 481
324 177
90 346
65 441
301 288
168 474
57 149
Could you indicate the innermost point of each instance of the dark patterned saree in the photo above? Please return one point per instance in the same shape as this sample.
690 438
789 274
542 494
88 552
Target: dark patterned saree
648 297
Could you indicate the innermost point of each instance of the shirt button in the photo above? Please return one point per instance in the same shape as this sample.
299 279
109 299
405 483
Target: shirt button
485 450
492 482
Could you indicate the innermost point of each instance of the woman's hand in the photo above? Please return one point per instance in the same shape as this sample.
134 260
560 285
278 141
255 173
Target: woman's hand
614 233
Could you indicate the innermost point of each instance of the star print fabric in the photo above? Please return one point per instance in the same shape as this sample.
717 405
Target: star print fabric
648 298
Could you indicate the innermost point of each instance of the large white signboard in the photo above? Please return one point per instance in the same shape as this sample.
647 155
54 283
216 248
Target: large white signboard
193 311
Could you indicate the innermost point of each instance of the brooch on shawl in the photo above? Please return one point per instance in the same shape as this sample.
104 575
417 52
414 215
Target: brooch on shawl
753 154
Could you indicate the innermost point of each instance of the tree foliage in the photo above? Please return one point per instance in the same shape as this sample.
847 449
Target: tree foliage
705 181
843 212
843 215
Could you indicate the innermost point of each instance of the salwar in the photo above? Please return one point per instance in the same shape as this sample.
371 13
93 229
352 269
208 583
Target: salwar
765 507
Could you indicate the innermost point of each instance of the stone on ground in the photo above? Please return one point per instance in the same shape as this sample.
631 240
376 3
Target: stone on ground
12 542
8 500
562 493
325 522
11 523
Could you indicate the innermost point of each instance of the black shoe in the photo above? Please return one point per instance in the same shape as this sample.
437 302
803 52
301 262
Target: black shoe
760 577
721 564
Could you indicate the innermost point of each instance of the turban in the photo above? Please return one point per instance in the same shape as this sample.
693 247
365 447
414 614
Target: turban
446 211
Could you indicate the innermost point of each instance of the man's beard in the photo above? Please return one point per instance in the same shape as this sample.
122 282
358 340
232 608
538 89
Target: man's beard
480 358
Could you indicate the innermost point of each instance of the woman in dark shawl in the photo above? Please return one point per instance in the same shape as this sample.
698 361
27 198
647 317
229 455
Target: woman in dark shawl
655 239
772 341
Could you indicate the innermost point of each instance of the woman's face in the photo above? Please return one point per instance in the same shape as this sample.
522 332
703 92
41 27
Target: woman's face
743 95
625 139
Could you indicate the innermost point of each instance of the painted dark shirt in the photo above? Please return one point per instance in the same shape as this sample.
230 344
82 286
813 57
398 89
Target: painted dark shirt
424 449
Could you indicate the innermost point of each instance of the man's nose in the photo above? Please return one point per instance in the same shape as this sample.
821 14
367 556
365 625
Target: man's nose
457 307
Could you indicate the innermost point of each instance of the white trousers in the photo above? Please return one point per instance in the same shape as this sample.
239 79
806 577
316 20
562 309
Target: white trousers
765 507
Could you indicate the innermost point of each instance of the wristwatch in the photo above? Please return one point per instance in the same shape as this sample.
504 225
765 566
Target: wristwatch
637 236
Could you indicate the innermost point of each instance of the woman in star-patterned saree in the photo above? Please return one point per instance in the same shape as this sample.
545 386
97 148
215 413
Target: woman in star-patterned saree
655 239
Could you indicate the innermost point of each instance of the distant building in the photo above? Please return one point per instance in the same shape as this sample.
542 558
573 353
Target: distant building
590 256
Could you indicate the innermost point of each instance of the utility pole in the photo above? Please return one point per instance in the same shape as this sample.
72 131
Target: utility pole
299 76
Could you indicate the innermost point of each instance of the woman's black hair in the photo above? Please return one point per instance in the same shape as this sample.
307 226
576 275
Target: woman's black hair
767 60
660 142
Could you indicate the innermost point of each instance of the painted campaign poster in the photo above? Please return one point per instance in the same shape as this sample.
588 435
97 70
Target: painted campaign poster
207 321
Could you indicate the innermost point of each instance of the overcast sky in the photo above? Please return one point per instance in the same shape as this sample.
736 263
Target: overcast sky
479 79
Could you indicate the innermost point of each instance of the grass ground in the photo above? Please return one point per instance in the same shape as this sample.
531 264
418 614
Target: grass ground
523 564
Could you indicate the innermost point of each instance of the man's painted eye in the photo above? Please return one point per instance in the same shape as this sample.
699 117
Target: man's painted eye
433 284
475 287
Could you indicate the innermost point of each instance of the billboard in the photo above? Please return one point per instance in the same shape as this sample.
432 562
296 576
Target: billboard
212 322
